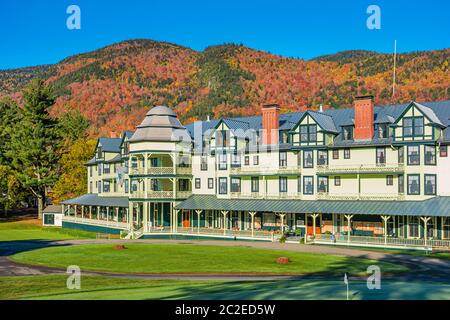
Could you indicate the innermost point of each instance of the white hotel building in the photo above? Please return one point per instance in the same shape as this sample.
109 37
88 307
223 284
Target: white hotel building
367 175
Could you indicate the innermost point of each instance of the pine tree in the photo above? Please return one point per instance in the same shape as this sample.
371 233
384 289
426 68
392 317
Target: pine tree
9 117
33 147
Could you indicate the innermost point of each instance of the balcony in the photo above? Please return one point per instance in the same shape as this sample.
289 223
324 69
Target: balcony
161 171
361 196
267 171
364 168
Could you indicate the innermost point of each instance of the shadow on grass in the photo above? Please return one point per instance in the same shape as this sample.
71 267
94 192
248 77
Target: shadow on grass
8 248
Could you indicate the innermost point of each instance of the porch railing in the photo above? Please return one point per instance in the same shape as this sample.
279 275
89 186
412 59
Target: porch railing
162 194
247 170
359 196
161 170
95 222
260 195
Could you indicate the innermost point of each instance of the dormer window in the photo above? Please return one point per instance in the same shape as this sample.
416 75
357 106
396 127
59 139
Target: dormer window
284 136
222 138
99 153
381 130
126 147
413 127
308 133
347 132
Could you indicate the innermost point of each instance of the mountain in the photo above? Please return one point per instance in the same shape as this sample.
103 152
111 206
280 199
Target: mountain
115 86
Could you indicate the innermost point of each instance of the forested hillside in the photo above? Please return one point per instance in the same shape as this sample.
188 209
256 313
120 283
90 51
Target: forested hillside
113 87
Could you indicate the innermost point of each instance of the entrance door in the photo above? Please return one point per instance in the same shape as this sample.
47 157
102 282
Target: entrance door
186 219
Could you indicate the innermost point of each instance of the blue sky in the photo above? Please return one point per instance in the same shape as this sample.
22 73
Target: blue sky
34 32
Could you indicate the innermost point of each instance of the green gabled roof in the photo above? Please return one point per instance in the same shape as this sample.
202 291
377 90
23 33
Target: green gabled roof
92 199
437 206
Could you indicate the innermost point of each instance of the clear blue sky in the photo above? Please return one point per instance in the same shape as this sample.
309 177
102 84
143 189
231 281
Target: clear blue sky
34 31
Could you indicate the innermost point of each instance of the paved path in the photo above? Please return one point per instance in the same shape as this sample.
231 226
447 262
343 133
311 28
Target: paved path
423 268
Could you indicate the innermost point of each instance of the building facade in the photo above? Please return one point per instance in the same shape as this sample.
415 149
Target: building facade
379 174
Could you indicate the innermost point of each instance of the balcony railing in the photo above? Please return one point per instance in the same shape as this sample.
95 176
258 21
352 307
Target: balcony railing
257 170
162 194
96 222
364 168
161 170
269 196
361 196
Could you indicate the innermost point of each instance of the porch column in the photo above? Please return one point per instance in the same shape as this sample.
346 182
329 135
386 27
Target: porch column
198 219
425 224
82 212
98 212
117 215
107 215
225 227
90 212
385 220
349 219
252 214
75 210
175 217
130 215
282 215
314 217
145 215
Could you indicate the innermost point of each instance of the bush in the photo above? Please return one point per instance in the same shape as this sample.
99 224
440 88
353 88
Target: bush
283 238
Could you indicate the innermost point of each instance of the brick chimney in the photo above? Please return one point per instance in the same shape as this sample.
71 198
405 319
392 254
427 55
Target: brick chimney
270 123
364 117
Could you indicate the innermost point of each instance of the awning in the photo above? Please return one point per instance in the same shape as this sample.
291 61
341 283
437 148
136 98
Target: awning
437 206
95 200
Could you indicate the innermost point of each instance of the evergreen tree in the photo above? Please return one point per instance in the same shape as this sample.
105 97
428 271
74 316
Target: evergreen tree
33 147
9 117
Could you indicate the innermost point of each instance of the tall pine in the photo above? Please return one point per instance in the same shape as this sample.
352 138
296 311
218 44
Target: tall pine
34 141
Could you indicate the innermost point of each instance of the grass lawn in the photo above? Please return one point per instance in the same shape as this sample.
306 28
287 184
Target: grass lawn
107 288
31 230
186 258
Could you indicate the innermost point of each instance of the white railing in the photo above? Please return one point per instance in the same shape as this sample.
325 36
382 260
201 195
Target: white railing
382 241
183 194
265 170
362 168
161 194
273 196
360 196
94 222
227 232
184 170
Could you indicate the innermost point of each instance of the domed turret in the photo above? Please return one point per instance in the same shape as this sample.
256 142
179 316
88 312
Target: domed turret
161 124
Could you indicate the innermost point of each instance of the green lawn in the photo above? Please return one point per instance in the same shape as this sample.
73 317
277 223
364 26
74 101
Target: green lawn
14 231
103 288
186 258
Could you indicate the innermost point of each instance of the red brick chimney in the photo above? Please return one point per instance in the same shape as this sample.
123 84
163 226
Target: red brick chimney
364 117
270 123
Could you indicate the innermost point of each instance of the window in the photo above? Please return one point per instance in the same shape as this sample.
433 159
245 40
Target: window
222 138
430 155
99 186
115 185
210 183
134 186
127 186
308 159
90 187
134 163
197 183
443 151
126 147
106 186
299 159
381 130
255 184
347 153
90 171
322 184
336 154
308 185
222 161
322 157
413 155
223 188
235 160
283 159
235 184
347 132
401 184
299 184
100 166
99 153
308 133
413 127
430 184
204 163
283 184
106 168
337 181
413 184
381 155
247 160
155 162
401 155
155 185
284 136
255 160
183 161
389 180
